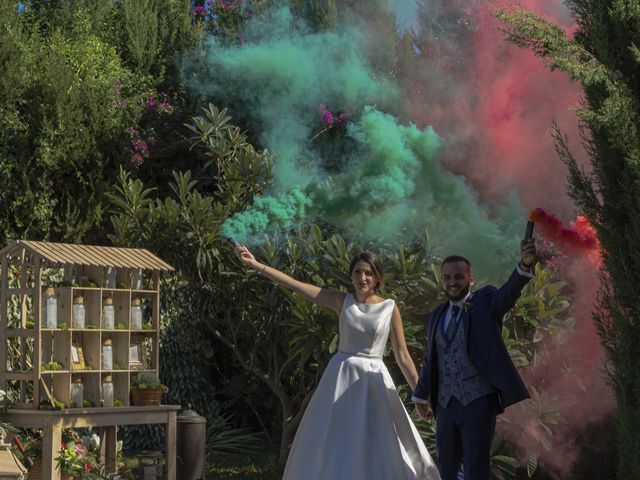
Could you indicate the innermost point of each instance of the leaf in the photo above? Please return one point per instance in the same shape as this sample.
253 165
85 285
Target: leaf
333 346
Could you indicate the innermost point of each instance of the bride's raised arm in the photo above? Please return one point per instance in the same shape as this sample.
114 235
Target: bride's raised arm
321 296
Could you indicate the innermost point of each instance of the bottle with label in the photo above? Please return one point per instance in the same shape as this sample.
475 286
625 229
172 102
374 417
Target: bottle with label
136 314
78 312
77 390
51 309
107 354
108 314
107 391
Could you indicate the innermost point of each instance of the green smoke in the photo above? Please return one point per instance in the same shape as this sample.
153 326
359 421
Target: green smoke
397 187
387 184
280 75
283 211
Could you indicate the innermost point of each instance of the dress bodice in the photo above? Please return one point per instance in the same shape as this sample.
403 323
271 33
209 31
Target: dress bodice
364 327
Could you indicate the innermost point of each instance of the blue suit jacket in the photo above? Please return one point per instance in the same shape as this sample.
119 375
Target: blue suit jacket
486 350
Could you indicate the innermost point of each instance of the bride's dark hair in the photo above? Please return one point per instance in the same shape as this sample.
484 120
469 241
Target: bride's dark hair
375 264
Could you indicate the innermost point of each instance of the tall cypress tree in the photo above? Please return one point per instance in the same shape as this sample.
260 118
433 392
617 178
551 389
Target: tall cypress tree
604 56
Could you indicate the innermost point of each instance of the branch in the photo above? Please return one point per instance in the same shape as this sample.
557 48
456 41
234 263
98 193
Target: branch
252 367
303 407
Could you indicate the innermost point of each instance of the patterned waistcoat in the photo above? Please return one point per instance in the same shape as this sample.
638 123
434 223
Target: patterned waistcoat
457 375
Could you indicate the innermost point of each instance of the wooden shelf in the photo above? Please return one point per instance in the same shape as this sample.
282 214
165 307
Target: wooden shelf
26 269
40 345
20 332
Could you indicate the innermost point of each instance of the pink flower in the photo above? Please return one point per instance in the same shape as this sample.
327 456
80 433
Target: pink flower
87 468
80 449
199 10
151 102
326 117
136 159
342 118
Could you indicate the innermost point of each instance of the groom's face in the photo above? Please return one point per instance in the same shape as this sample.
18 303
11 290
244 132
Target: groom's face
457 280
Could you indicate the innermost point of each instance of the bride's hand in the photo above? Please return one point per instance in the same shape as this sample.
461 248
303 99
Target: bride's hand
424 411
245 256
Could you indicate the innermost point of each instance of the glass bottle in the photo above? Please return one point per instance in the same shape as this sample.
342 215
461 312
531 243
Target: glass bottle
78 312
108 314
136 279
51 309
77 390
110 277
107 391
107 355
136 314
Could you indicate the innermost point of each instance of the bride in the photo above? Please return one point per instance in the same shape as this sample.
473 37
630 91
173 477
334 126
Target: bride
356 427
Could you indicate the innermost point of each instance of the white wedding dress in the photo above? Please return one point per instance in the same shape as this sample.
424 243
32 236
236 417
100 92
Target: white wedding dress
356 427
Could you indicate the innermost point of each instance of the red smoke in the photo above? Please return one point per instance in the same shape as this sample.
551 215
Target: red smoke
570 373
494 104
580 237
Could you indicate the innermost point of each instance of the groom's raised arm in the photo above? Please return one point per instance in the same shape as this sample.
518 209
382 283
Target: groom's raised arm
504 298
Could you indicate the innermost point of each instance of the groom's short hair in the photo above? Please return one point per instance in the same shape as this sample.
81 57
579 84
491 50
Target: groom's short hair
455 259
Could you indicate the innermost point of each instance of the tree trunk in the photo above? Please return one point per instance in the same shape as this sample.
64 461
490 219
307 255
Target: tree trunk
289 429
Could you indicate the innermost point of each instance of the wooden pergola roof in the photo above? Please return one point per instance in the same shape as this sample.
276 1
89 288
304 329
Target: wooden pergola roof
89 255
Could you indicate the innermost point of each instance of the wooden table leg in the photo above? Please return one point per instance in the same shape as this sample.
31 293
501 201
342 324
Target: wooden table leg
170 434
108 448
51 445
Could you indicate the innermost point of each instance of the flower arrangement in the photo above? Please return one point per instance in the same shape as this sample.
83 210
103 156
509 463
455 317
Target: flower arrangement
77 461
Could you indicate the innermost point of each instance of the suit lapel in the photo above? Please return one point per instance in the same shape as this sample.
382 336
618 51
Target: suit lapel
466 313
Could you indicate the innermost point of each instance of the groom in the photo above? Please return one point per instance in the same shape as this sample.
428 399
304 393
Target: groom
467 378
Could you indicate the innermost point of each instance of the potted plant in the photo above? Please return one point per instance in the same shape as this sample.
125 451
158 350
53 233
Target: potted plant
146 389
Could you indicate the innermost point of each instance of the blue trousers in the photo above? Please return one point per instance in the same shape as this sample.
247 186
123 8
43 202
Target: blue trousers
465 433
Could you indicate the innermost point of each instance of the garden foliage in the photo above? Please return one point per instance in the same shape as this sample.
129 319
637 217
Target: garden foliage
93 149
603 57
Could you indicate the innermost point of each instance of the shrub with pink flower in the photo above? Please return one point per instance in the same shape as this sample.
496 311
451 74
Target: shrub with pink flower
328 119
226 17
139 147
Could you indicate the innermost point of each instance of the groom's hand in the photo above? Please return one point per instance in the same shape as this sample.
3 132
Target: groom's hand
528 254
424 411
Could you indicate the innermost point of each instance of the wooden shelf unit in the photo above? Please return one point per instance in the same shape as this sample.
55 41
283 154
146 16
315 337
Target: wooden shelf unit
27 346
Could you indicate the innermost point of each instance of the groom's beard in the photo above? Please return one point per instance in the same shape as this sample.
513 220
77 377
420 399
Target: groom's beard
459 295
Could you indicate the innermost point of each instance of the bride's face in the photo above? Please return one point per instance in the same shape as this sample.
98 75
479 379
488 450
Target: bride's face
363 278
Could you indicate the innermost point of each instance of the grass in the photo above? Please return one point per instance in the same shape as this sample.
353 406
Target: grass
243 468
249 467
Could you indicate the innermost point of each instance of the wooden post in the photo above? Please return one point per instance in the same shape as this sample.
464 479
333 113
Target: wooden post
37 324
109 448
156 324
51 445
22 284
4 300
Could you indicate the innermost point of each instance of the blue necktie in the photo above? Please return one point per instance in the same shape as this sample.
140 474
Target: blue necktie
453 321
